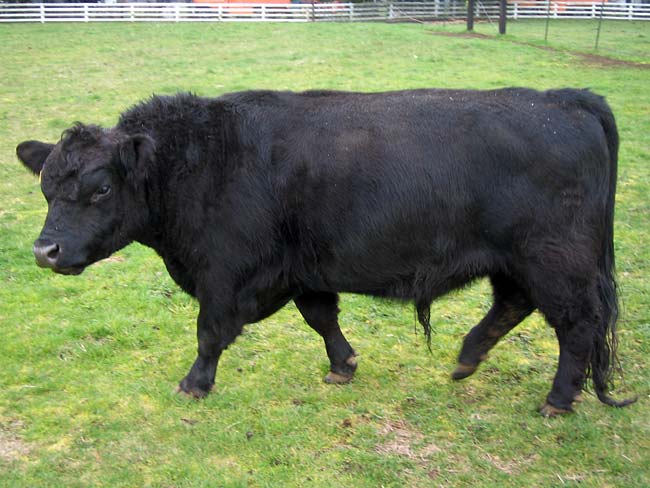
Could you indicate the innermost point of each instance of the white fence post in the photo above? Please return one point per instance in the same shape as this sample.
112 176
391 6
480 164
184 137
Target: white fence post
42 13
351 11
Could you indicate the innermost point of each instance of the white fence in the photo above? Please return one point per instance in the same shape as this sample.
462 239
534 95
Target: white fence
319 12
578 10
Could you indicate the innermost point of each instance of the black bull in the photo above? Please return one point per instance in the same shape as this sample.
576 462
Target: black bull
257 198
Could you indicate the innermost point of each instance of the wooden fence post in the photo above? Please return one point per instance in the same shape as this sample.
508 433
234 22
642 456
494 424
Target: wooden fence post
503 12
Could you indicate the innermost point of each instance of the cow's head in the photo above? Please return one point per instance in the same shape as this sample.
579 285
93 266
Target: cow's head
92 180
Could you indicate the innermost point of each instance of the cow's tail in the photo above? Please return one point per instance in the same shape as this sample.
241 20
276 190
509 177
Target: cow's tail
423 311
604 360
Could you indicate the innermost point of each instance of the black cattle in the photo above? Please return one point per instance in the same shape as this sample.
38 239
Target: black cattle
257 198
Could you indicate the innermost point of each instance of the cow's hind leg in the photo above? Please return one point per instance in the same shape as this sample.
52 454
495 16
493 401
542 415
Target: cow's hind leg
511 306
575 347
567 291
574 316
320 311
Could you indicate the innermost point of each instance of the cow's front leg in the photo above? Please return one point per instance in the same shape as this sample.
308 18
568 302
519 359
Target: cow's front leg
214 335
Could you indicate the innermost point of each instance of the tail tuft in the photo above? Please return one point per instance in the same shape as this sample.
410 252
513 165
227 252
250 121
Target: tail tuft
423 309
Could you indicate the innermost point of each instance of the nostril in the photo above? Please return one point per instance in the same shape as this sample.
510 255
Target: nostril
53 253
46 253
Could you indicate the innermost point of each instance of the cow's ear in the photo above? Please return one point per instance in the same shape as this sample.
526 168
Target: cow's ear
33 154
136 154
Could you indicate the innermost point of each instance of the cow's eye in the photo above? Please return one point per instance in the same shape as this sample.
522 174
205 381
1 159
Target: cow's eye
103 191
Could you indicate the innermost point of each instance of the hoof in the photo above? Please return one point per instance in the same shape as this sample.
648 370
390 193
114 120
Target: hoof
548 410
342 377
463 371
195 393
337 379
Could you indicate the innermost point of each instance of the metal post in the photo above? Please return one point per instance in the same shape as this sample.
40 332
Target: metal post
600 22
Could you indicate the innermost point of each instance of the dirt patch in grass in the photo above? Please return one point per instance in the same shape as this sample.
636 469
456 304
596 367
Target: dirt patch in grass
402 439
595 59
585 58
590 59
113 259
12 447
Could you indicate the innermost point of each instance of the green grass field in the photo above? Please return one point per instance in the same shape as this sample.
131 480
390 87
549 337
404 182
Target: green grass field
88 364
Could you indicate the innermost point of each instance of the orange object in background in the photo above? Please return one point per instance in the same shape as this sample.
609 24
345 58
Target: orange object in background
240 10
555 5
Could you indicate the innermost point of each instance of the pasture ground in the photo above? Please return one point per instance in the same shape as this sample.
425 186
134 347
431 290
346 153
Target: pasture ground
88 364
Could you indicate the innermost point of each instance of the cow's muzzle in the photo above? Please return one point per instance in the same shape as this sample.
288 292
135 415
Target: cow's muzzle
47 254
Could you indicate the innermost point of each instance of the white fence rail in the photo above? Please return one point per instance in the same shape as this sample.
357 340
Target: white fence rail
319 12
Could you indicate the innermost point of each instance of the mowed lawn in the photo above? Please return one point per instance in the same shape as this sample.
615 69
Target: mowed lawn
88 364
